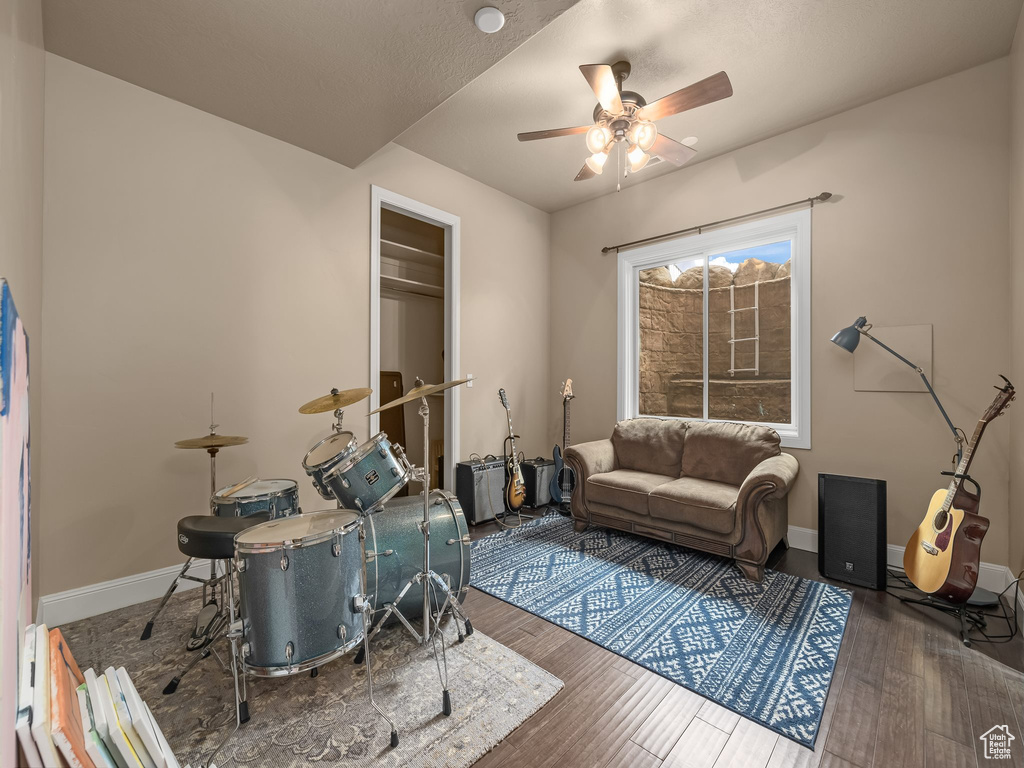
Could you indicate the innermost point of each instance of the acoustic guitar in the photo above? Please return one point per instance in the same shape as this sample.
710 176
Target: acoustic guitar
944 554
563 481
515 486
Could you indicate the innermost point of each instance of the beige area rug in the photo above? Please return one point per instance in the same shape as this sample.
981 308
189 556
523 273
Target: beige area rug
327 720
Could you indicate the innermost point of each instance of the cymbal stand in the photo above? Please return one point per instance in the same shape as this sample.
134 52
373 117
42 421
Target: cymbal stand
431 582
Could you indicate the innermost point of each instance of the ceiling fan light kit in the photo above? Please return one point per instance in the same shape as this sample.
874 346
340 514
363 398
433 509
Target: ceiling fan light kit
626 117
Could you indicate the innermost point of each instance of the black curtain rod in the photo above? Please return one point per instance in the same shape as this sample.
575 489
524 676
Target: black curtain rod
809 201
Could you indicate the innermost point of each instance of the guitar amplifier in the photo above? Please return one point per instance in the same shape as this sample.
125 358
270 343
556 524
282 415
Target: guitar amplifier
480 488
537 474
852 530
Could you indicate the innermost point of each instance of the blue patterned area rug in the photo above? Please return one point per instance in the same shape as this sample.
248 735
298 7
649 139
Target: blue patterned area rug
766 651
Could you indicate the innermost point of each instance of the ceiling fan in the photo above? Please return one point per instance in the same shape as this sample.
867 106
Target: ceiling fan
625 116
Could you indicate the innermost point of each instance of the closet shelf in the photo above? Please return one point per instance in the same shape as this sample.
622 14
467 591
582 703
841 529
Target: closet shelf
402 285
394 250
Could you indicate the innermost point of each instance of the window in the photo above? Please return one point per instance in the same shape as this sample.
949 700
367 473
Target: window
716 326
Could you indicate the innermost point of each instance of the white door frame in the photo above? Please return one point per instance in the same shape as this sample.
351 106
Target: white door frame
451 224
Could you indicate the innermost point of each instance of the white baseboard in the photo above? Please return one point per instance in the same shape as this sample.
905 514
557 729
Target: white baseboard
83 602
992 577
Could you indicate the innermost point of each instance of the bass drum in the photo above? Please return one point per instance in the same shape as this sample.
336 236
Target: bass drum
394 551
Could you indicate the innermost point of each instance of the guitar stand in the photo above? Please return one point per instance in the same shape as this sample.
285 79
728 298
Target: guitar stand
971 614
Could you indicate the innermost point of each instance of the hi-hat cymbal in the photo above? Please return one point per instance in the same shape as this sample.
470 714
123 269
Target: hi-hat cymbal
212 440
336 400
417 392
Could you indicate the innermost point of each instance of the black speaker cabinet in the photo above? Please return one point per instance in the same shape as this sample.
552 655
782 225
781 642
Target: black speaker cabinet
851 530
480 486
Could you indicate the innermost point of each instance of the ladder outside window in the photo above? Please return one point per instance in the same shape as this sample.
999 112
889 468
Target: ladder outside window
756 338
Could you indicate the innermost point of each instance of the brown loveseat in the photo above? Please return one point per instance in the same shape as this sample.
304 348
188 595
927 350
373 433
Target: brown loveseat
714 486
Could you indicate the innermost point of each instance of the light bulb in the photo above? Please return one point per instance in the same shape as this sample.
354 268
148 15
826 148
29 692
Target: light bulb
637 158
597 138
596 162
643 134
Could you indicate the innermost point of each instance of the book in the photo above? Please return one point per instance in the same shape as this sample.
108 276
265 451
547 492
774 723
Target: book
65 720
41 700
23 721
93 743
124 718
140 718
120 747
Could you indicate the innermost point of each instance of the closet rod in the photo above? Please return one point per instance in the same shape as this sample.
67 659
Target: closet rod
820 198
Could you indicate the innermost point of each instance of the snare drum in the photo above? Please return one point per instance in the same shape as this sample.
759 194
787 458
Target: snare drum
297 578
394 551
279 498
371 475
325 455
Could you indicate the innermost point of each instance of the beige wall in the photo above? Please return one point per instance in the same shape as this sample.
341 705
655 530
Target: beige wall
921 181
21 200
185 254
1017 299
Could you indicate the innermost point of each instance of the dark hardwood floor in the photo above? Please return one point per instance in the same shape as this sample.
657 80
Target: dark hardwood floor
905 692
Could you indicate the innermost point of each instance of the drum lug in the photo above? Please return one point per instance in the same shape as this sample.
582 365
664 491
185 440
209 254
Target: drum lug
395 472
342 632
235 630
345 484
284 562
240 565
359 503
289 651
383 452
246 650
336 549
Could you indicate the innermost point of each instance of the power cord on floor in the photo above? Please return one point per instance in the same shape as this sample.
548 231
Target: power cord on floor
490 501
902 582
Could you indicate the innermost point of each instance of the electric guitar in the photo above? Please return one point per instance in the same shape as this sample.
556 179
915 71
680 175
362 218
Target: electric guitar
564 480
944 554
515 487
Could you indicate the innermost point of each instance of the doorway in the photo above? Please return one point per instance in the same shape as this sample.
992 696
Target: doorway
414 325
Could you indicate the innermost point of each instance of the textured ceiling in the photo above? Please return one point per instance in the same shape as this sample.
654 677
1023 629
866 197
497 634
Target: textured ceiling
340 78
791 62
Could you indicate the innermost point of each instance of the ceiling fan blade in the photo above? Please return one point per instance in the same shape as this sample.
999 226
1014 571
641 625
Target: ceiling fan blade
602 80
553 133
704 92
585 173
672 150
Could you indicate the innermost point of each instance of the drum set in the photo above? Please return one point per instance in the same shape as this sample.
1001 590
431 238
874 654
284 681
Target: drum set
315 586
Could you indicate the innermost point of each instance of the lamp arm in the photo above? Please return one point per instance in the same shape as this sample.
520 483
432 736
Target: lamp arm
956 435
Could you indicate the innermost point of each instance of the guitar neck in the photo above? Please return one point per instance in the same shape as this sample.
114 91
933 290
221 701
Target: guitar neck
512 437
565 423
965 464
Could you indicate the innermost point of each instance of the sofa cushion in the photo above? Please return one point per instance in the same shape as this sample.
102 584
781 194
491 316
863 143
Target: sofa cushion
726 452
624 488
705 504
649 445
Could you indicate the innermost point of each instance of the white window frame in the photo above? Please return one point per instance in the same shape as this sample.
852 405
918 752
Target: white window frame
794 226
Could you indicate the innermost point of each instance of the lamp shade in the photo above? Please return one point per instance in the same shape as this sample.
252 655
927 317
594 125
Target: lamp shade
849 337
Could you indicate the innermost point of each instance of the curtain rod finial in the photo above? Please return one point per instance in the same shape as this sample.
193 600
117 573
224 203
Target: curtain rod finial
824 196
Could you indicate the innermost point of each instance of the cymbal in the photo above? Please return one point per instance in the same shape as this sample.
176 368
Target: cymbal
336 400
417 392
212 440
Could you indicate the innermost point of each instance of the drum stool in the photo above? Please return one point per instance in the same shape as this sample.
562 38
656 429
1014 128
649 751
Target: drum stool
212 538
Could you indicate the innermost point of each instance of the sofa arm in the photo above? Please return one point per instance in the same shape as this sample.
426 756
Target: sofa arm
778 471
592 458
585 460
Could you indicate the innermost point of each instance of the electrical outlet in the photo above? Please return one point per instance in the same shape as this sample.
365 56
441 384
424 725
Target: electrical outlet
469 384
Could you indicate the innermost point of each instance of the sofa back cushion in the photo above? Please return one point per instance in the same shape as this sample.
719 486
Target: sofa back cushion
726 452
649 445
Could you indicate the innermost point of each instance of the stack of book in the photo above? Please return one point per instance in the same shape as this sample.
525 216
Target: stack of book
67 718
